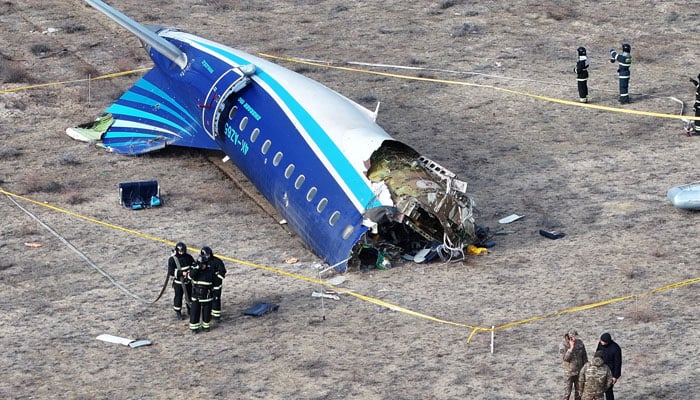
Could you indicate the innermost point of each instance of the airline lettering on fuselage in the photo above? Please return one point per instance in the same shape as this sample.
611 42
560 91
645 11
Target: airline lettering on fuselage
208 67
250 109
235 138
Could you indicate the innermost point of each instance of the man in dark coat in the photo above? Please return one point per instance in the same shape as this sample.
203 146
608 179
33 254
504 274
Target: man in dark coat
612 357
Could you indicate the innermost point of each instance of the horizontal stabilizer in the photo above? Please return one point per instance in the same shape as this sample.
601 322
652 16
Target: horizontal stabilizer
144 119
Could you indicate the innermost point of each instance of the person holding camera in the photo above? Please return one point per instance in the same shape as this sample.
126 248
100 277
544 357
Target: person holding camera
202 278
573 356
624 61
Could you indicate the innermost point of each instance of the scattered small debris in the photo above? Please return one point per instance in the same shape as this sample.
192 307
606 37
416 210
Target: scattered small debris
503 232
260 309
421 255
552 234
510 218
124 341
326 295
473 250
337 280
291 260
32 244
139 195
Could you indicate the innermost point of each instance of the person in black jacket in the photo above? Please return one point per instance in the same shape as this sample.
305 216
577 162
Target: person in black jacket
202 277
581 70
179 265
612 357
219 269
692 128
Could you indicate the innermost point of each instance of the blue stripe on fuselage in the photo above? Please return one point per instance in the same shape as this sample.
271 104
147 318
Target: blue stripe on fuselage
151 88
119 109
139 98
355 182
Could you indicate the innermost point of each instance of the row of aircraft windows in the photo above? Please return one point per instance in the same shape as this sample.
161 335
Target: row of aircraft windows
289 171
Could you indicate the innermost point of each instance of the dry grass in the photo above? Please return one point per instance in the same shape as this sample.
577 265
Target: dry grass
40 49
597 175
8 152
10 73
39 183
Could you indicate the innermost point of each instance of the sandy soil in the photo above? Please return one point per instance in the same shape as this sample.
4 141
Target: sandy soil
599 175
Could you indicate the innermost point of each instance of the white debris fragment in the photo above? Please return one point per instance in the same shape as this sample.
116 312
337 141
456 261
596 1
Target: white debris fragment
336 280
325 295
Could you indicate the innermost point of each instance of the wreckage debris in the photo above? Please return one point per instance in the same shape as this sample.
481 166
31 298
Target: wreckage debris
123 341
552 234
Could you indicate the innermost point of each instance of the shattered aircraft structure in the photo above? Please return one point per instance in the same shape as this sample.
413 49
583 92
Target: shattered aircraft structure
340 181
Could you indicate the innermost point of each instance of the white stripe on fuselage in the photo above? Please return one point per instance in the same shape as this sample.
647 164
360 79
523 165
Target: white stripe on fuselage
118 123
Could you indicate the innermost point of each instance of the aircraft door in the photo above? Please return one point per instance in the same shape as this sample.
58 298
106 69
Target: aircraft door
221 98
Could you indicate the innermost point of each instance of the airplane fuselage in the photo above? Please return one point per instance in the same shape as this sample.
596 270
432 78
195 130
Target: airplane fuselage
319 158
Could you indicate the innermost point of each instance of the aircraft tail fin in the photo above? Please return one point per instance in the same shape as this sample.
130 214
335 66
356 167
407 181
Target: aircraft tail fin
144 119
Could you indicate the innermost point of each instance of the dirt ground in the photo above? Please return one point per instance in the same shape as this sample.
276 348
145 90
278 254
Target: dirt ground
599 175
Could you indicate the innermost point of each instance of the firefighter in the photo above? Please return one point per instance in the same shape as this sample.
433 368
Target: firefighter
581 70
693 126
217 265
179 265
202 277
624 61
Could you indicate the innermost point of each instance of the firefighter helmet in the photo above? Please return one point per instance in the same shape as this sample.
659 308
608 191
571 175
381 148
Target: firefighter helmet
581 51
181 247
626 48
206 251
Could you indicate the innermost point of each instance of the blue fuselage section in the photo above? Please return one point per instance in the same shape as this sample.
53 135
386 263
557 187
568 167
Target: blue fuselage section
262 116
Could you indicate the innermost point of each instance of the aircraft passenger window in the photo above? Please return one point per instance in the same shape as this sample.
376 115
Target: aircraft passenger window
322 204
289 171
300 181
277 159
242 125
334 218
311 193
233 112
266 146
254 135
348 231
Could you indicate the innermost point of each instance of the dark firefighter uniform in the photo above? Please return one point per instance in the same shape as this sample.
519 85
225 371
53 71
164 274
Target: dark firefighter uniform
581 70
624 61
696 106
217 265
179 265
202 278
